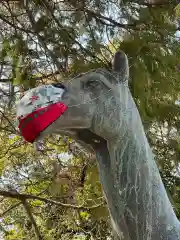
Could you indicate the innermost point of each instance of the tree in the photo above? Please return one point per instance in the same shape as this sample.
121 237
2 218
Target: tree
47 41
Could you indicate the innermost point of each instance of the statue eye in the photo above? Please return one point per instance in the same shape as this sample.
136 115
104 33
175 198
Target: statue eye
90 84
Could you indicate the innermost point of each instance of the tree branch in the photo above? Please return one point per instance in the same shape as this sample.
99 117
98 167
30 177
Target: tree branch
32 220
67 33
158 3
7 119
23 197
4 80
134 26
9 209
115 23
14 26
51 54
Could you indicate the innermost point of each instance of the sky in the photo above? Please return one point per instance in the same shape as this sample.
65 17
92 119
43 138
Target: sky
66 156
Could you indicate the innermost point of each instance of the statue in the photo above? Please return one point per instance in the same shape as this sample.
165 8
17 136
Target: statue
102 115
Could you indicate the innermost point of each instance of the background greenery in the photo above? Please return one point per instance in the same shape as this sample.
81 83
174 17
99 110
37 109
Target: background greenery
55 193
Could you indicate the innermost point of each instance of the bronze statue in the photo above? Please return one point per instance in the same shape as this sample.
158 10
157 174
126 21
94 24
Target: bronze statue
101 114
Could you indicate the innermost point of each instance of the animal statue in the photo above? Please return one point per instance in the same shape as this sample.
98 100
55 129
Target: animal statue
102 115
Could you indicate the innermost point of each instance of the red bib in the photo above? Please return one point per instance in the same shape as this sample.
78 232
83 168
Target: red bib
34 123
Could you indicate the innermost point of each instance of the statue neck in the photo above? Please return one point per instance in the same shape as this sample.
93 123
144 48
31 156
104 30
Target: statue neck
136 197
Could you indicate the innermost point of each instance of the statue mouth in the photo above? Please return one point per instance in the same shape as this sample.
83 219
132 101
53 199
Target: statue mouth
96 142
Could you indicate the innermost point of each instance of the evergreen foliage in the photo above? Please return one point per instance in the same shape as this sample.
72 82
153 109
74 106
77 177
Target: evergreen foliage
55 193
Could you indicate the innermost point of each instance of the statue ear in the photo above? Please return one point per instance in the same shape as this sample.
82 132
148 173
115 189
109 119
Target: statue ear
120 66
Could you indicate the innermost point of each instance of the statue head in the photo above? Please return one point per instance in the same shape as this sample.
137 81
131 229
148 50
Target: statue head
96 100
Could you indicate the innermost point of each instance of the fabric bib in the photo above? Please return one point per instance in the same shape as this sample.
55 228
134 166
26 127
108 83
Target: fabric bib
39 108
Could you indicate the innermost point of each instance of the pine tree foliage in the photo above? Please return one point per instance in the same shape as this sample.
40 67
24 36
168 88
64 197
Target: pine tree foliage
55 193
